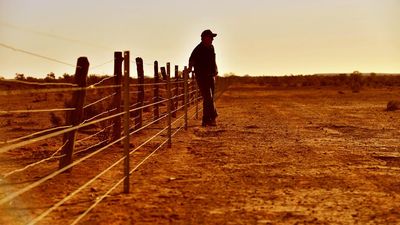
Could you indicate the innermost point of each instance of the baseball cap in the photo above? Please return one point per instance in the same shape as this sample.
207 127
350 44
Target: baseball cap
208 33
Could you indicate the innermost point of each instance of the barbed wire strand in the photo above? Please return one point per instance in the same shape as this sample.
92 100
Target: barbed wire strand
37 55
42 180
92 180
99 199
100 100
83 124
36 163
102 64
90 147
88 137
101 81
98 115
31 141
34 134
147 125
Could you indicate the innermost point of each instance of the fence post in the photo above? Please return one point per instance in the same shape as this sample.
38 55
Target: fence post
138 113
170 98
185 88
126 121
169 108
118 59
176 92
75 117
156 91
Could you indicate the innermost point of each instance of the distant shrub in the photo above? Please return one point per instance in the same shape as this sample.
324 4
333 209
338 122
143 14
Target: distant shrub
356 81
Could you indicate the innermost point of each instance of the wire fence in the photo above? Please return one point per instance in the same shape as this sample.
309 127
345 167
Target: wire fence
99 128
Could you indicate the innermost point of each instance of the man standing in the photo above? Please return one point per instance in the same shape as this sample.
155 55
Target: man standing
205 69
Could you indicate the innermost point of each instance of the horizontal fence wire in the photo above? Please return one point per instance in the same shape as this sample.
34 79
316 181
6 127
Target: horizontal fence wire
146 106
53 156
42 180
54 90
102 64
99 199
40 84
93 179
36 110
84 124
100 100
93 135
146 84
147 125
37 55
34 134
98 115
90 147
31 141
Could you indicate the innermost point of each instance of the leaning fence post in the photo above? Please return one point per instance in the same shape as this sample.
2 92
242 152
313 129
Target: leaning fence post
140 99
156 91
118 96
75 117
185 88
169 108
126 121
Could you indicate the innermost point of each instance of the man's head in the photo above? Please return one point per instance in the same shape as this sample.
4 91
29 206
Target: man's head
207 37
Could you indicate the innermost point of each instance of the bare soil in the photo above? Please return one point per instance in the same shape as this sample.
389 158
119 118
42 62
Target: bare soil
289 156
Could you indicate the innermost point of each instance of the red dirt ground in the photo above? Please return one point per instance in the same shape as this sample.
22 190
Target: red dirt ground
297 156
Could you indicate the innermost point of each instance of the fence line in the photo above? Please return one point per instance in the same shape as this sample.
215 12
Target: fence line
31 141
172 107
99 199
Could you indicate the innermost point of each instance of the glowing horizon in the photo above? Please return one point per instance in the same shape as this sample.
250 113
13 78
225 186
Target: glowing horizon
255 37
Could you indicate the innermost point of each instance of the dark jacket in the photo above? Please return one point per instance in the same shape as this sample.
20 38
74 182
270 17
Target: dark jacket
203 60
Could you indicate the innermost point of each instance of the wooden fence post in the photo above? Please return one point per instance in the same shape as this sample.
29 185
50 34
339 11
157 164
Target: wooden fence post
186 92
169 94
118 59
169 77
140 99
176 92
75 117
126 121
156 91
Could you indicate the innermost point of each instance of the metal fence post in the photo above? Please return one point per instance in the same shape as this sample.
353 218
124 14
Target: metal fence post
169 106
126 121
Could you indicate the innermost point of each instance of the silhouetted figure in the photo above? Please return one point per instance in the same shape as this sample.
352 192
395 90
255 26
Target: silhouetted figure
205 68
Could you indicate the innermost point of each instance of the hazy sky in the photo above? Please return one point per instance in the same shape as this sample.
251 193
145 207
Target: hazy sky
255 37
